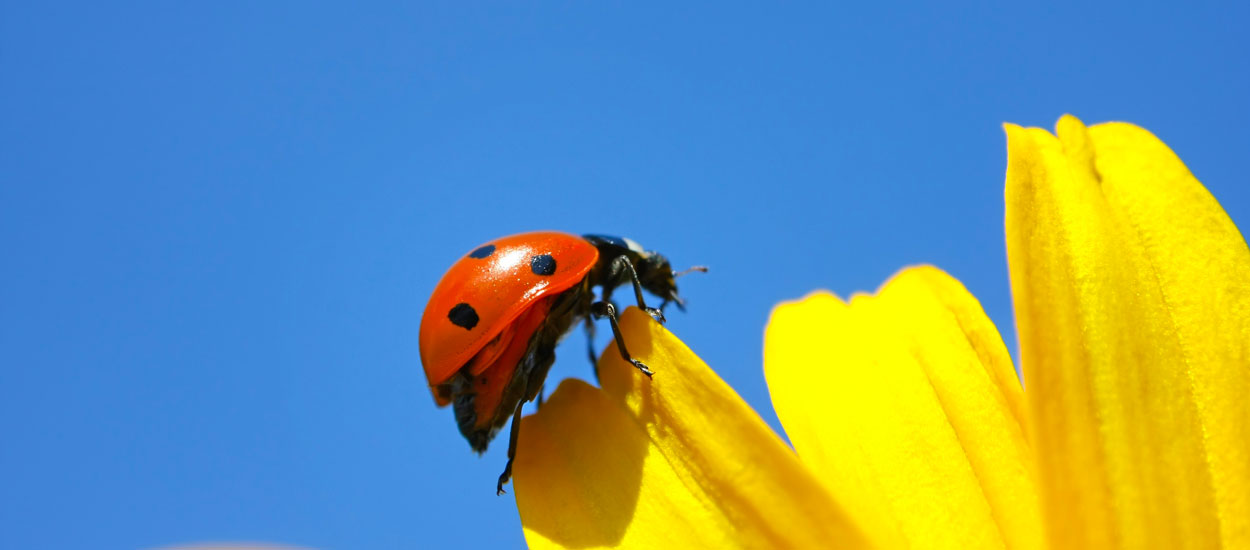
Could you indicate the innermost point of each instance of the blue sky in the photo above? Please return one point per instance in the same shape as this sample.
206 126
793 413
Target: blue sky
220 224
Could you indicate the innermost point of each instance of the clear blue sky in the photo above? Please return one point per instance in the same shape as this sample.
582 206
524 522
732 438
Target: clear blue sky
220 224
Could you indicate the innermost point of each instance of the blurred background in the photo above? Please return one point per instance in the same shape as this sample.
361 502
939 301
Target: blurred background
220 223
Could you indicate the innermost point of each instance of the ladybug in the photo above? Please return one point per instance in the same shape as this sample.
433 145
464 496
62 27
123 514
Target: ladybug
489 332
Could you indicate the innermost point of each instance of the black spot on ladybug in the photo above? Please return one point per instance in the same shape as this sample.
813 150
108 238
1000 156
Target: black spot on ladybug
483 251
463 315
543 264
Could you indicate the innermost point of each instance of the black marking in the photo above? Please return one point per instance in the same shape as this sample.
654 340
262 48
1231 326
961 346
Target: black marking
543 264
463 315
483 251
608 239
624 245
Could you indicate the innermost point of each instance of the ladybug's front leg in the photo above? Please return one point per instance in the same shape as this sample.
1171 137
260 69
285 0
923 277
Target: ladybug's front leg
633 274
605 309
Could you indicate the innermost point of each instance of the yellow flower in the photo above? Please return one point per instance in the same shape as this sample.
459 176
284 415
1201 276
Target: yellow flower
909 426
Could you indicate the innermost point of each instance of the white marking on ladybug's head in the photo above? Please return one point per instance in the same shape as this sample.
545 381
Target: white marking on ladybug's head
633 245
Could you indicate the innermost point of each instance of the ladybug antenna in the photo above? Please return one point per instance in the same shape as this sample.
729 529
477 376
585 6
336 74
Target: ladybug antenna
699 268
672 297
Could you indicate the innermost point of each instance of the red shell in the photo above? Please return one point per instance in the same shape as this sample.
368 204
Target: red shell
497 285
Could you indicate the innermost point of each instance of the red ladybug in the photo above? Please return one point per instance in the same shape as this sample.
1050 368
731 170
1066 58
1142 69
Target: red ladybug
489 332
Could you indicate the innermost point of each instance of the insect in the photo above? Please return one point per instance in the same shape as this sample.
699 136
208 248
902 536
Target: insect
489 331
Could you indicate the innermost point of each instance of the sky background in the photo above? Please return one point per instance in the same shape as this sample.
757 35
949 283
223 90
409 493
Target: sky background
220 224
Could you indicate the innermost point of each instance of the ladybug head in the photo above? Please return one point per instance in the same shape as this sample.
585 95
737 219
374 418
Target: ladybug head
657 276
654 272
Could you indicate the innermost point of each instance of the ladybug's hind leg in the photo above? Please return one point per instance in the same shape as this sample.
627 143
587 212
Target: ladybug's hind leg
535 366
512 438
605 309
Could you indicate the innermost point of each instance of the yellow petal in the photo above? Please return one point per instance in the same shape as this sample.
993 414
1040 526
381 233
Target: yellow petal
678 461
907 405
1132 296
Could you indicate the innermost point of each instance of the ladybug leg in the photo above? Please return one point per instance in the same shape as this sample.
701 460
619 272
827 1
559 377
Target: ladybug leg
540 363
605 309
633 274
515 431
590 346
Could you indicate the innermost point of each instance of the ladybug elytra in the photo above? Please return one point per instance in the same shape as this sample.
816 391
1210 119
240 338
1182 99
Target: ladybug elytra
489 331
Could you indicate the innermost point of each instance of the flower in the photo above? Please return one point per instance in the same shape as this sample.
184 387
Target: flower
910 428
